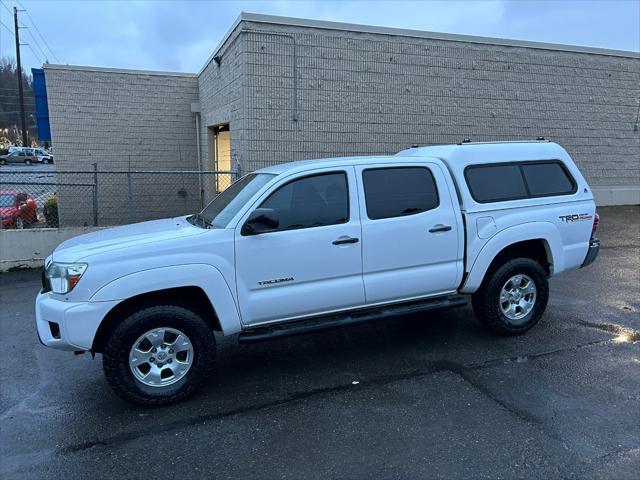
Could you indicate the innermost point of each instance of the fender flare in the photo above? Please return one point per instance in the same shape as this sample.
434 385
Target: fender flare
545 231
205 276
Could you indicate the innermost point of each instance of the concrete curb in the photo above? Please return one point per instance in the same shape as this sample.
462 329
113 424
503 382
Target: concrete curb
29 248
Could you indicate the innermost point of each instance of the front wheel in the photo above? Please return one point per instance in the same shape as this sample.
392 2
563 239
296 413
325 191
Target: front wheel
159 355
513 298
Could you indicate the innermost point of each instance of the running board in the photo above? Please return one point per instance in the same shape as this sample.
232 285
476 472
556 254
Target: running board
316 324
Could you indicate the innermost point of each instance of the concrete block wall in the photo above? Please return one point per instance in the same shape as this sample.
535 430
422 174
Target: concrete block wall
120 119
223 99
368 93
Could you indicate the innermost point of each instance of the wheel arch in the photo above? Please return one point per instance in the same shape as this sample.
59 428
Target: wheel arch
196 286
537 240
191 297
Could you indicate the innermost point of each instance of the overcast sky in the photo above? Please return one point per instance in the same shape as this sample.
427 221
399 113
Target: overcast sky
180 35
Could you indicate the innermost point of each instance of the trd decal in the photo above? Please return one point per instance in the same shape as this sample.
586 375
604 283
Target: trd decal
576 217
275 280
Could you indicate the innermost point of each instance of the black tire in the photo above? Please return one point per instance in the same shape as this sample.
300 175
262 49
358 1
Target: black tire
115 358
3 161
27 162
486 300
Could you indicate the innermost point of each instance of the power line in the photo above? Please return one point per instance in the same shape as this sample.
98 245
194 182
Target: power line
34 52
22 25
8 29
44 55
39 33
6 8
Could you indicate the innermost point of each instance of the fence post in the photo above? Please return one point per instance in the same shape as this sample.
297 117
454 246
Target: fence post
238 171
130 196
95 194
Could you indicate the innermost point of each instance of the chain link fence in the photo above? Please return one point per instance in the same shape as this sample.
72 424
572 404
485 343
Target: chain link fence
37 198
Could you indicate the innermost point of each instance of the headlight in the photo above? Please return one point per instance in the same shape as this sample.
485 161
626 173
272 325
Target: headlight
64 276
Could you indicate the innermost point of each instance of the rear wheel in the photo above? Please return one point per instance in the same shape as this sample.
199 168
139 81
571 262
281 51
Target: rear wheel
3 161
512 298
159 355
27 162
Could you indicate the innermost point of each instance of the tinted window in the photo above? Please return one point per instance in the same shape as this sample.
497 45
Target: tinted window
396 192
547 179
495 182
311 201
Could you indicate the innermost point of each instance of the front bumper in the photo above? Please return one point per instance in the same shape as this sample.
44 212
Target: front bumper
592 253
68 325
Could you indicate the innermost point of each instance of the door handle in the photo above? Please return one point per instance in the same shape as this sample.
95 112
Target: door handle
342 241
440 228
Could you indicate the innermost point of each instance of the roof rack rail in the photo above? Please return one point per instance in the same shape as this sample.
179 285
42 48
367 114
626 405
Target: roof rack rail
466 141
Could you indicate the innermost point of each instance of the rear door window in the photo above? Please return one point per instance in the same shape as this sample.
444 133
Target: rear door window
399 191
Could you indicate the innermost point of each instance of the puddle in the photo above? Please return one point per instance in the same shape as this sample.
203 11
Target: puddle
624 334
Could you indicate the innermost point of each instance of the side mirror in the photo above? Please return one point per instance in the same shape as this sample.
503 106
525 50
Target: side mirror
261 220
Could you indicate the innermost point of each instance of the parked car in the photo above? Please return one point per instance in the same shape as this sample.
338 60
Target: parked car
43 155
20 156
17 209
311 245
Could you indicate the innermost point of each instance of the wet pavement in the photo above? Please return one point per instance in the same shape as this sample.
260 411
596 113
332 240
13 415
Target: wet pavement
431 395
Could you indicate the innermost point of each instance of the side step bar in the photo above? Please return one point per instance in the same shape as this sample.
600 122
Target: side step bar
316 324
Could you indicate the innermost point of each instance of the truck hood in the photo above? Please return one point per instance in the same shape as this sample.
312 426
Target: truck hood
135 235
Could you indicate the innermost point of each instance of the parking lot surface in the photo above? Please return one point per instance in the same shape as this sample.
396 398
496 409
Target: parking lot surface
37 180
431 395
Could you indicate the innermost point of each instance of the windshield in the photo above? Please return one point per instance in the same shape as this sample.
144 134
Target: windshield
227 204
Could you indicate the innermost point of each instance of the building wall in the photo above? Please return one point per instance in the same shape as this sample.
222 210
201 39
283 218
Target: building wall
223 100
293 92
122 120
366 93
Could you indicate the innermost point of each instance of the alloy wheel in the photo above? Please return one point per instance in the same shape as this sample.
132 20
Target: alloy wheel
518 297
161 357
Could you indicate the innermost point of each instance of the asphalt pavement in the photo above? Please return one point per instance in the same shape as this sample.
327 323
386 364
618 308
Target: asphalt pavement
423 396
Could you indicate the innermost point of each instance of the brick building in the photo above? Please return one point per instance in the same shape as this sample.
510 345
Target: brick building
280 89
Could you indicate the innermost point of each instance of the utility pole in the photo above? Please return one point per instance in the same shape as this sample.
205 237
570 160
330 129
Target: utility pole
20 90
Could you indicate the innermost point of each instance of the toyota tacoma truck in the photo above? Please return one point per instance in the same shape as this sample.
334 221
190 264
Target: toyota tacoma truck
310 245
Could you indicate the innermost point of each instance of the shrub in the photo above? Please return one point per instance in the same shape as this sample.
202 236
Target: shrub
50 211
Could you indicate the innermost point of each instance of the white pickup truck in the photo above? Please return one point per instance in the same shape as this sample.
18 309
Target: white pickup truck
317 244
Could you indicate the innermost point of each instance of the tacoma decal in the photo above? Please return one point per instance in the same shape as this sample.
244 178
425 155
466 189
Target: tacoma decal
576 217
275 280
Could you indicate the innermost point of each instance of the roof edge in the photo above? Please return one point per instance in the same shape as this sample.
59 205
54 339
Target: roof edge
404 32
57 66
226 37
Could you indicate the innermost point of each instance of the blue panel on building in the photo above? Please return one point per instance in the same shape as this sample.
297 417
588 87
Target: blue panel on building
42 105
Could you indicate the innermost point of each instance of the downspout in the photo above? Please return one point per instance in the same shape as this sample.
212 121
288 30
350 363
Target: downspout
200 167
